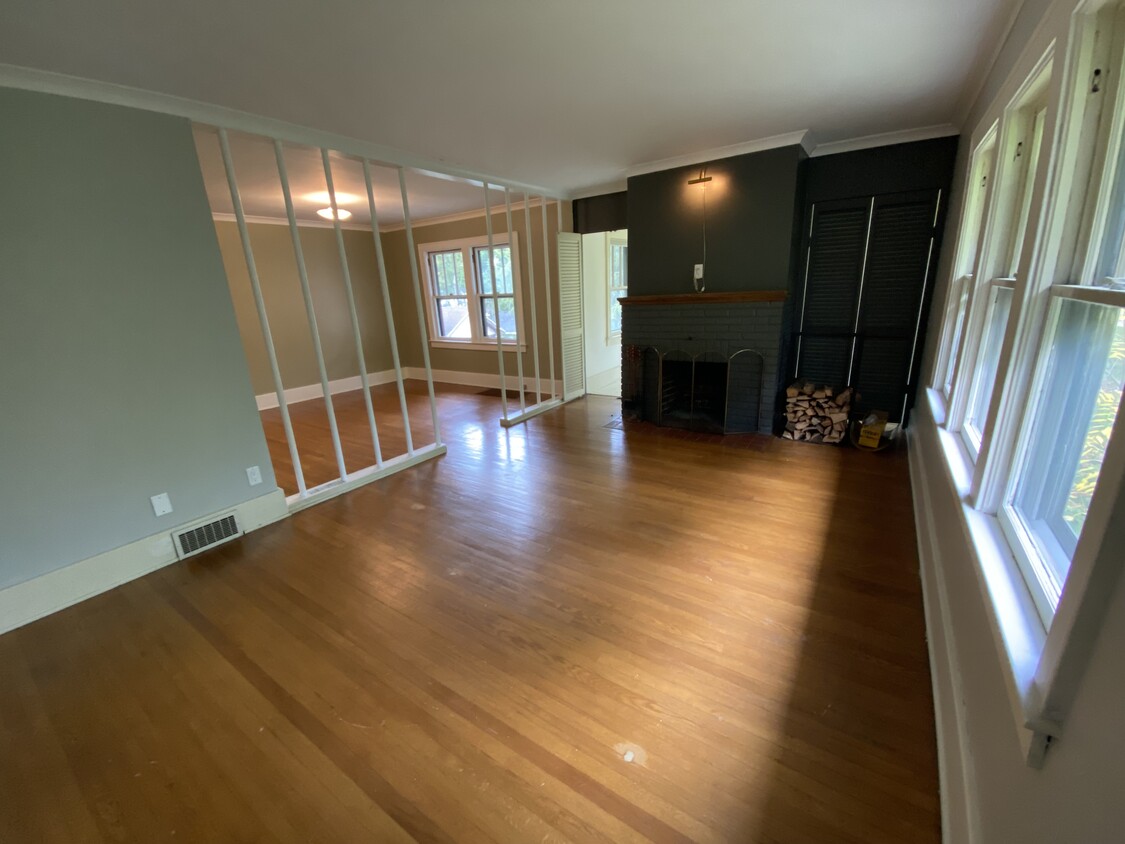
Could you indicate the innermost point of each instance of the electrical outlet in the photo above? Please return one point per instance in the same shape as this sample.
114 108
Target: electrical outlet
161 504
698 272
254 475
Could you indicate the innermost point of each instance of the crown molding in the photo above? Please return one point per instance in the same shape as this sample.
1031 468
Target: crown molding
615 186
972 89
46 82
715 153
923 133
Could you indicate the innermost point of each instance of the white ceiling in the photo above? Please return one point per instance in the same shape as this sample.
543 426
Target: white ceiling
259 186
564 94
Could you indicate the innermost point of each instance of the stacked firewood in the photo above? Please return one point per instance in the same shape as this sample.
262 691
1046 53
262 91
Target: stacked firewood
815 413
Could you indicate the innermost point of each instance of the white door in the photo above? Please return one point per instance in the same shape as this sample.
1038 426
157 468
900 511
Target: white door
570 315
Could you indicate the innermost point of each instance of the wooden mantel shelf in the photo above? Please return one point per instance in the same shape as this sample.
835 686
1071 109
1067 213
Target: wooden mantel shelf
707 298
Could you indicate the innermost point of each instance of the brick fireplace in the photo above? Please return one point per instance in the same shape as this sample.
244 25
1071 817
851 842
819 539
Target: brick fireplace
705 361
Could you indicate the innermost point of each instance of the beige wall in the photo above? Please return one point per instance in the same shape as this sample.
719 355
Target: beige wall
277 272
473 360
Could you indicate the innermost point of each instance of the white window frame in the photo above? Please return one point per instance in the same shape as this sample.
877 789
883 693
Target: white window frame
1014 203
970 241
613 239
1043 653
1082 196
466 246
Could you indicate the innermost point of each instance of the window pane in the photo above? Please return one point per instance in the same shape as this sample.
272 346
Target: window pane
453 319
1072 421
1111 262
615 310
619 266
988 360
1029 148
507 316
961 306
503 259
448 272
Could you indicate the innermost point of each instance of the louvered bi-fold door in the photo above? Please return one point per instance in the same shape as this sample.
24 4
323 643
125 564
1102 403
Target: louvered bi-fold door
868 266
570 315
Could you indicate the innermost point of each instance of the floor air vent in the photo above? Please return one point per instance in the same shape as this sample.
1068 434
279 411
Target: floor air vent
195 539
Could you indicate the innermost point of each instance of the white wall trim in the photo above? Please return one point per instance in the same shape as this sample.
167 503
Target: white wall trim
715 153
613 186
457 216
959 813
487 380
33 599
903 136
31 79
225 217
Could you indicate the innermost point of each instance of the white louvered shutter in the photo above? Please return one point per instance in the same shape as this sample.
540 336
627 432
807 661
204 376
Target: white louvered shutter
570 315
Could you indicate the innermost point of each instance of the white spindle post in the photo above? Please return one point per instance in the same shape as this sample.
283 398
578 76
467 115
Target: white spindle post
357 336
260 304
517 305
495 303
531 290
310 311
392 337
422 333
550 299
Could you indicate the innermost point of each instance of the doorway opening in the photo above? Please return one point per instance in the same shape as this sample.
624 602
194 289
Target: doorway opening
605 281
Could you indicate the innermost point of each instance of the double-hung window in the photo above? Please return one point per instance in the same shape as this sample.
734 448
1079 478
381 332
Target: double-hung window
464 304
1032 365
1075 397
967 256
996 296
618 281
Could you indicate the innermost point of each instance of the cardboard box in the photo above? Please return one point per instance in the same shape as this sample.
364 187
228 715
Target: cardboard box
871 429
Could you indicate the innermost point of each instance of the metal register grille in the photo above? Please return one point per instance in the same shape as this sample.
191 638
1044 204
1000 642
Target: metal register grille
212 533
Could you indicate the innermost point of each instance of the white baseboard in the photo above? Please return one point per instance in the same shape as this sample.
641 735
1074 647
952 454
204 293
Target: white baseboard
293 395
958 797
486 380
25 602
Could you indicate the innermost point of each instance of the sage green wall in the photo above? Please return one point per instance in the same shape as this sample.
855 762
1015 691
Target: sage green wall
277 272
121 371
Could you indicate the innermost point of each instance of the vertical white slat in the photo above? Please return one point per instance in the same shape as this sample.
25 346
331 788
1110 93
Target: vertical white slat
570 315
310 311
550 300
517 302
495 304
356 335
392 337
419 306
260 304
531 290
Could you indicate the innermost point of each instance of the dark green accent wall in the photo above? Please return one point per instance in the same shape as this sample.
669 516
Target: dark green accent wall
753 203
606 212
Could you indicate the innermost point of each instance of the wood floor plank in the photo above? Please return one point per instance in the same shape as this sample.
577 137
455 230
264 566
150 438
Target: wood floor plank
466 651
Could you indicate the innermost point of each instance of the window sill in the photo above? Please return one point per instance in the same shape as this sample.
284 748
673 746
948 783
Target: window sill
1017 631
480 347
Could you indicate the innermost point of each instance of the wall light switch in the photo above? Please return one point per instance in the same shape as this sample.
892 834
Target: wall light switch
698 272
161 504
254 475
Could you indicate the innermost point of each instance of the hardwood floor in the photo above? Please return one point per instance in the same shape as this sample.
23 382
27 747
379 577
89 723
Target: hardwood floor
472 650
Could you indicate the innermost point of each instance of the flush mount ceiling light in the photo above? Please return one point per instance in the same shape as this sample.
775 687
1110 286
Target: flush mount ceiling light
326 213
